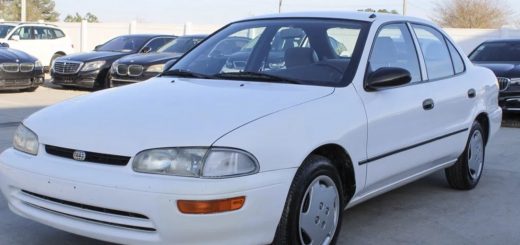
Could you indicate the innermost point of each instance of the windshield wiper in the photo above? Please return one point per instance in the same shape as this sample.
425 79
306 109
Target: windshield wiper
186 73
257 76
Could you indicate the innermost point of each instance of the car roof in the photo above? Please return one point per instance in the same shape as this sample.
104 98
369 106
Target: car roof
347 15
195 36
28 24
503 41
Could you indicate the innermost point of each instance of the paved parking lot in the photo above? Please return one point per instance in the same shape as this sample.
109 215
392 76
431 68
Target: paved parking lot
424 212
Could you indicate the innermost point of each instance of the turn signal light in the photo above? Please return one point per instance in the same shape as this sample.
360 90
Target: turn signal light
211 206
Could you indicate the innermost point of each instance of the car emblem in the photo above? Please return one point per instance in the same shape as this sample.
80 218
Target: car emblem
131 61
17 60
79 155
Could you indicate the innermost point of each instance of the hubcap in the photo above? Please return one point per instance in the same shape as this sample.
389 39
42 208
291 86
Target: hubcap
476 155
320 211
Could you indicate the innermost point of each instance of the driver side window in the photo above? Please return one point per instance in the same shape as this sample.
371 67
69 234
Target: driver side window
394 47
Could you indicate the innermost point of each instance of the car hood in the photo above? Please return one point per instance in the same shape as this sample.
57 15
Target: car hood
93 56
164 112
502 69
13 55
147 59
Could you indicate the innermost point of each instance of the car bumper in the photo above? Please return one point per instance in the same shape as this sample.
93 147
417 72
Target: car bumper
12 81
76 199
510 103
117 80
81 79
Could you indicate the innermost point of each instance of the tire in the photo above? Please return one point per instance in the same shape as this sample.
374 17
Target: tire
324 214
466 173
30 90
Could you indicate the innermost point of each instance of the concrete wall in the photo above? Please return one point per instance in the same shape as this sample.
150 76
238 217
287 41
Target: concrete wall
85 36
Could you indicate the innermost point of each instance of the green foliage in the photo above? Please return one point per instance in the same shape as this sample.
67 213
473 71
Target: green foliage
36 10
89 17
384 11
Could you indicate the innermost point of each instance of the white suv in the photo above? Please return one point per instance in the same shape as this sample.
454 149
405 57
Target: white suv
43 41
272 152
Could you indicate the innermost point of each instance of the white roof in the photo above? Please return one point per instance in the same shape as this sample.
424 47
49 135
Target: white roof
348 15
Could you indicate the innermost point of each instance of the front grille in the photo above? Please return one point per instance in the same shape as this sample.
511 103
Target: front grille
26 67
122 70
10 67
135 70
66 67
15 82
89 208
503 83
90 156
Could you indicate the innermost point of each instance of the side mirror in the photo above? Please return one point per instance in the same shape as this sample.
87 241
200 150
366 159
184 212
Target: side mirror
97 47
4 45
146 50
388 77
15 38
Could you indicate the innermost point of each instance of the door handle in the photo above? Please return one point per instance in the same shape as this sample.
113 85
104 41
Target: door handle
472 93
428 104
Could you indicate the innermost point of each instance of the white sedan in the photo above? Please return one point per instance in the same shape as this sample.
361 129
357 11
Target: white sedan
345 107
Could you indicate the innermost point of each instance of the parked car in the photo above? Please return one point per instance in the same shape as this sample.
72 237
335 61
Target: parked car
503 58
140 67
92 69
271 154
44 41
19 70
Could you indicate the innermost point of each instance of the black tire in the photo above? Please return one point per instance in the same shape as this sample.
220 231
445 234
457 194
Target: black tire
30 90
315 166
460 176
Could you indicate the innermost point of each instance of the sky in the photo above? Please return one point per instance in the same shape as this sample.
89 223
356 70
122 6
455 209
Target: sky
223 11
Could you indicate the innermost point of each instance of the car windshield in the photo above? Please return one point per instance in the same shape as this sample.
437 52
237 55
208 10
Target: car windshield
4 30
497 52
125 44
304 51
180 45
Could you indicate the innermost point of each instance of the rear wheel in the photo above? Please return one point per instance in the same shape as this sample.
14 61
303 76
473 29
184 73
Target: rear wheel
466 173
314 206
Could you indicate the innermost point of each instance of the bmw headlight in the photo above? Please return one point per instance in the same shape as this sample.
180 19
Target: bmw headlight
94 65
26 140
156 68
196 162
38 64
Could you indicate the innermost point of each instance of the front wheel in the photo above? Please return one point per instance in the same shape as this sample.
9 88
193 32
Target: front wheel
314 206
466 173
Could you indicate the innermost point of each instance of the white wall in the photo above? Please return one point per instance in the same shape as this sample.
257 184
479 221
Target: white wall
98 33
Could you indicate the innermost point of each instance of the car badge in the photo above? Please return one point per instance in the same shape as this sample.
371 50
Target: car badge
17 60
79 155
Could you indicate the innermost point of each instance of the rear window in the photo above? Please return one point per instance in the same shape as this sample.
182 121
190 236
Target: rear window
497 52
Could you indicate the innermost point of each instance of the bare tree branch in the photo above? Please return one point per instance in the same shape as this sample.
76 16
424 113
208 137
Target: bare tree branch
472 13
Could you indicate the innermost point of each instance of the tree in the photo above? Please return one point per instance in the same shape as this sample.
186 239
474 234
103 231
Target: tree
89 17
472 13
36 10
384 11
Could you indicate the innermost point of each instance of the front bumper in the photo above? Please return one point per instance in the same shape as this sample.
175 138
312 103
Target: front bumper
36 190
14 81
510 103
80 79
118 80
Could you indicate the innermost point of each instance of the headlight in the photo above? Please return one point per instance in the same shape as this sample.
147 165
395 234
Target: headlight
94 65
196 162
155 68
26 140
38 64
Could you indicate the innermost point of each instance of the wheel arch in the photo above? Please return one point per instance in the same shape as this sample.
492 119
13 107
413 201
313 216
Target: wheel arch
343 162
483 119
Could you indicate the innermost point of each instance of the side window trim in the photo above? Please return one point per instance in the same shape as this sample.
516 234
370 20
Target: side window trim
448 43
420 55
